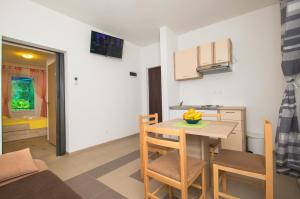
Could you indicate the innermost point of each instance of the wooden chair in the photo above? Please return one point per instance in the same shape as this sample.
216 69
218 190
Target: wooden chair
246 164
214 144
161 150
174 169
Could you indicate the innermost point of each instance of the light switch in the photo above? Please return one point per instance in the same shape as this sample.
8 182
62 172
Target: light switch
76 80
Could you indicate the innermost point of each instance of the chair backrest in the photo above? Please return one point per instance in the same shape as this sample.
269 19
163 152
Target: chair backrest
268 149
216 116
179 144
147 120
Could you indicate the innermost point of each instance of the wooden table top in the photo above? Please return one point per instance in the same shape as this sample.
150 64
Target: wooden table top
215 129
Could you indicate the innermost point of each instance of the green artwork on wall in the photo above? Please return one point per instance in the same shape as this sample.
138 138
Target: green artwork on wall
22 93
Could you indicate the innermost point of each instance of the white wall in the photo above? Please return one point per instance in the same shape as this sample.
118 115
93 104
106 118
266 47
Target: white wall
256 81
1 96
105 103
150 57
170 87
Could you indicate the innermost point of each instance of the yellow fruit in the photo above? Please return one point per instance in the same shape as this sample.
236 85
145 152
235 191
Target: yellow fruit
184 115
191 110
192 114
189 116
197 116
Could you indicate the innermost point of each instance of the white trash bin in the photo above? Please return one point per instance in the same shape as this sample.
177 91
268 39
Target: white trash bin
255 143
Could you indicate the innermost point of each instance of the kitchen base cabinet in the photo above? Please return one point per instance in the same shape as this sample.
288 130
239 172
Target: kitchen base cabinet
237 139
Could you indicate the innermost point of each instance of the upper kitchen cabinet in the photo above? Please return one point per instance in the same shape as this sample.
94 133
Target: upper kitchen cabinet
206 55
222 51
186 62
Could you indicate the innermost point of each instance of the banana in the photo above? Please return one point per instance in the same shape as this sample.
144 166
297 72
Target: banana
192 114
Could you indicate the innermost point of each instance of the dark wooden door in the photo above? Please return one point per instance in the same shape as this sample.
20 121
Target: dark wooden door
155 102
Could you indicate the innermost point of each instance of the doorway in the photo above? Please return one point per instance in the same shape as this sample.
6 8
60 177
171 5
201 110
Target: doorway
155 98
32 100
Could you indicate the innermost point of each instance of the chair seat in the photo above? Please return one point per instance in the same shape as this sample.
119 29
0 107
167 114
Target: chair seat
241 160
168 165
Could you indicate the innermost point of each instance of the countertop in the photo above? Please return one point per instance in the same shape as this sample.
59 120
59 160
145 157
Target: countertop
199 107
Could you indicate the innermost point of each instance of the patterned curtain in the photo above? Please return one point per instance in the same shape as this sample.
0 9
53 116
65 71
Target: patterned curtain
39 79
288 135
7 73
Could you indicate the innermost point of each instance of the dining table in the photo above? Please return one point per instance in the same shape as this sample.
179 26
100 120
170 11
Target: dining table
198 136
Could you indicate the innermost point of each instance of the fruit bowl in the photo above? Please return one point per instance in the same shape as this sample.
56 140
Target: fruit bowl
192 116
192 121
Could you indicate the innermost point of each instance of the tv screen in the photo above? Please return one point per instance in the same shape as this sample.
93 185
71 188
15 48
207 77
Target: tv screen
106 45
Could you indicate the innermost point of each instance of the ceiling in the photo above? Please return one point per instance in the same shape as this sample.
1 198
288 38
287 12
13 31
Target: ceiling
13 54
139 20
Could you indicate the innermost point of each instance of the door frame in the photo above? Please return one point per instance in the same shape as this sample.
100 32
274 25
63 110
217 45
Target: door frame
61 111
60 105
148 94
1 142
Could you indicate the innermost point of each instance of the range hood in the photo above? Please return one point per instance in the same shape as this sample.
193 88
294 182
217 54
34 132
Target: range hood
222 68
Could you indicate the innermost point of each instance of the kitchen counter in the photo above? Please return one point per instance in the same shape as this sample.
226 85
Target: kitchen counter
199 107
232 108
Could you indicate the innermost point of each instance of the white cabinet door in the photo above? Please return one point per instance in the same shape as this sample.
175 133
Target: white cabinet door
222 51
176 114
206 55
172 114
186 63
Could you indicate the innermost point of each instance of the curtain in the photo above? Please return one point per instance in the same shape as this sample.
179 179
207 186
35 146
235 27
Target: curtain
287 134
39 80
7 73
5 94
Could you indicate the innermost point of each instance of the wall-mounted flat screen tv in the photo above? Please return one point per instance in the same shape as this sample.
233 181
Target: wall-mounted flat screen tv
106 45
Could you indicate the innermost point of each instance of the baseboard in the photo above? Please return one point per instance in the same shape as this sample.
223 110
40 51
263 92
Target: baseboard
102 144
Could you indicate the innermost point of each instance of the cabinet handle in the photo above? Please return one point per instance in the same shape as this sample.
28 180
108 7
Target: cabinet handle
233 132
220 60
229 112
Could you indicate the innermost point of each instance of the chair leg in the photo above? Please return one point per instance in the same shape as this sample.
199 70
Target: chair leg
170 192
212 156
184 193
141 157
216 181
224 182
211 175
269 189
146 187
203 195
142 170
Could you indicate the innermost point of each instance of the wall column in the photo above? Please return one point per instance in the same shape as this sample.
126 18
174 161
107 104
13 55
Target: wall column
170 87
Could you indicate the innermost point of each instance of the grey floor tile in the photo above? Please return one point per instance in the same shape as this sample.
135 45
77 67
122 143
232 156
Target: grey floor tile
110 166
137 175
109 194
86 186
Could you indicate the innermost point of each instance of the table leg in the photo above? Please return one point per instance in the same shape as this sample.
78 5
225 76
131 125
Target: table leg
198 147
